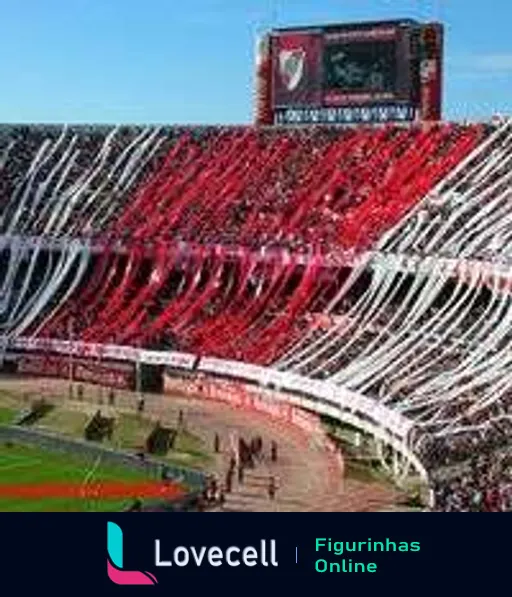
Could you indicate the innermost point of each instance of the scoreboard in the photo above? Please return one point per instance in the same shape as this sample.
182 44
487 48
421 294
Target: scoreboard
341 74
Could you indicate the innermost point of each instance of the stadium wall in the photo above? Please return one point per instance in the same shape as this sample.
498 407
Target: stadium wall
387 427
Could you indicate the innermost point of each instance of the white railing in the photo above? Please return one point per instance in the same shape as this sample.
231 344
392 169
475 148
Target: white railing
357 405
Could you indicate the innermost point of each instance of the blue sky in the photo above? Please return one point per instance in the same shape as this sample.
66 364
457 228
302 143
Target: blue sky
191 61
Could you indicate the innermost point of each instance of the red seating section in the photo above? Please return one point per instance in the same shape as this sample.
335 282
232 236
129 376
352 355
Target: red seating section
295 189
305 192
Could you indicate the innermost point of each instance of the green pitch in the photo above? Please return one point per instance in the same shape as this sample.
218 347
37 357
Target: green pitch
7 415
23 464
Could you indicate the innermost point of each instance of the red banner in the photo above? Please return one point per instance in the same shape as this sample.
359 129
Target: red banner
239 395
431 73
116 375
297 66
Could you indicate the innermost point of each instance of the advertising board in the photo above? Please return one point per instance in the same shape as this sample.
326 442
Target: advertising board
350 73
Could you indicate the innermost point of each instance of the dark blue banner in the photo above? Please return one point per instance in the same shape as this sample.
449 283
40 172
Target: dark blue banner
365 553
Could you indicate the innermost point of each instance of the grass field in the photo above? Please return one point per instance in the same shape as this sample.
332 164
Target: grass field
28 466
131 431
10 405
67 422
24 464
7 415
130 434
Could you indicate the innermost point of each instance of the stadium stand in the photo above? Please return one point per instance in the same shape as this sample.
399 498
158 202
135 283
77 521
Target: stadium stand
367 258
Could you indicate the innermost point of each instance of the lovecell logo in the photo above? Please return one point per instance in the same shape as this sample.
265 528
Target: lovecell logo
115 561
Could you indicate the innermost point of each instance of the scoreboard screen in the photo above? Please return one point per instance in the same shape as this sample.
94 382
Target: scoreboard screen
350 73
360 66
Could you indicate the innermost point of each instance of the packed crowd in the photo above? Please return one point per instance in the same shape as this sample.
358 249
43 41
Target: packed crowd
482 485
70 181
232 186
188 194
295 189
466 214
